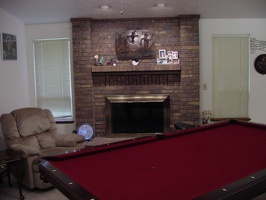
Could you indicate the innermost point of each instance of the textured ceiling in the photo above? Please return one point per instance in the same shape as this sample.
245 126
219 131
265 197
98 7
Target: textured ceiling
52 11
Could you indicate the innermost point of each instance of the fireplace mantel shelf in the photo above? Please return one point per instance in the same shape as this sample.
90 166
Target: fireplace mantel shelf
104 69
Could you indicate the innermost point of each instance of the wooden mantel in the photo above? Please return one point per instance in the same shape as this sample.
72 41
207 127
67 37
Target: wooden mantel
118 68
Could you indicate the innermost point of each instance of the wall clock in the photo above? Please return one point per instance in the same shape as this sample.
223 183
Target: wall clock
260 64
86 130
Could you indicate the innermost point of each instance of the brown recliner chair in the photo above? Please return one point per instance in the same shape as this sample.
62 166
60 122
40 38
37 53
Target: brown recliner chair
32 133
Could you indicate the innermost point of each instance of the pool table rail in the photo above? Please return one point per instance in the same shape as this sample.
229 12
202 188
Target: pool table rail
63 183
244 189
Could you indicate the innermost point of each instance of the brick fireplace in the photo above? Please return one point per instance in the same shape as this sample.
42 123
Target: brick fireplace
92 84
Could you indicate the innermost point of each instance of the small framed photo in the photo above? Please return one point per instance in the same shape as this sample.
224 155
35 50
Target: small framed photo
9 47
169 59
162 53
169 53
175 54
164 61
176 61
160 61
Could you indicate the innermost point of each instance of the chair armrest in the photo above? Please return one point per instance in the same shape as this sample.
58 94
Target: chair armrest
23 150
68 140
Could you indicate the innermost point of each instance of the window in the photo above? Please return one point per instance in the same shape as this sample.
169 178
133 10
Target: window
230 76
53 77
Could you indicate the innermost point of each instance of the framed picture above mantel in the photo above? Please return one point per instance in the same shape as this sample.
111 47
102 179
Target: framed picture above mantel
135 44
9 46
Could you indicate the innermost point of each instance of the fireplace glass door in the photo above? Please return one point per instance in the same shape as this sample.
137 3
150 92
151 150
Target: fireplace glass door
144 117
137 115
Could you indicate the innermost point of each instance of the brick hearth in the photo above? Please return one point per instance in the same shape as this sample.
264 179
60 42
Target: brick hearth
93 83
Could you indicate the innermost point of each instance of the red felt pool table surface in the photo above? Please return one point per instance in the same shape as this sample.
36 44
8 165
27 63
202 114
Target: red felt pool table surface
188 164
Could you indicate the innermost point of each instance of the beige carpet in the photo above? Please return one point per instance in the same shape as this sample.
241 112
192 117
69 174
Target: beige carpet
7 193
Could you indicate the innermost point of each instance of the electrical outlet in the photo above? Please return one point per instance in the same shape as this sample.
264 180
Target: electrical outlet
204 86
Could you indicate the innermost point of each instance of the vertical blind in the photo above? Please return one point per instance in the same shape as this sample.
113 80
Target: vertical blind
230 76
52 76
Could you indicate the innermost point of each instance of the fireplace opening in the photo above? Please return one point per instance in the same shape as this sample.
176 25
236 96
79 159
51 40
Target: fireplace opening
137 117
137 114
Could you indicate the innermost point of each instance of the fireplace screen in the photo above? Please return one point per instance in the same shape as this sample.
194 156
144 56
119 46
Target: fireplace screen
137 114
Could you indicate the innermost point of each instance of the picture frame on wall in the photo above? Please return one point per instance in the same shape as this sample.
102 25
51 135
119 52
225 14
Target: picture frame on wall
175 54
169 59
162 53
169 53
9 46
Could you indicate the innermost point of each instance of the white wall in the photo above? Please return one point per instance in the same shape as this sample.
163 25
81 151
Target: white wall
256 28
14 89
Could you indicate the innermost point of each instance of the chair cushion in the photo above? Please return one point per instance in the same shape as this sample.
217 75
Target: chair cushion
29 141
46 140
31 121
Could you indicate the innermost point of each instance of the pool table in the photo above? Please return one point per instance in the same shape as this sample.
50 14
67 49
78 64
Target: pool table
225 160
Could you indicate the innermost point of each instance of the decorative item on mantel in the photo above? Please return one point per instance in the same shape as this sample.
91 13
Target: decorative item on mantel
135 62
206 116
111 61
169 58
99 60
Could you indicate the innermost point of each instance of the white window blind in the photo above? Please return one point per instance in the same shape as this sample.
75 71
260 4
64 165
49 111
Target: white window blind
230 76
52 76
